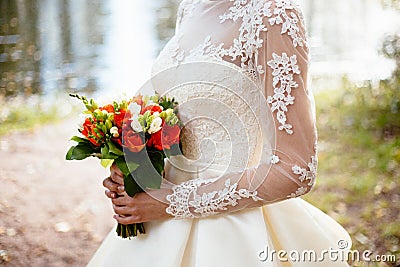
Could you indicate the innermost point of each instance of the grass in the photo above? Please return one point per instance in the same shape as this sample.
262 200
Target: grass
22 114
359 170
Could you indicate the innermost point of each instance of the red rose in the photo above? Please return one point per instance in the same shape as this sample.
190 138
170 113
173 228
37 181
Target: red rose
152 108
88 130
170 135
165 138
133 141
155 140
109 108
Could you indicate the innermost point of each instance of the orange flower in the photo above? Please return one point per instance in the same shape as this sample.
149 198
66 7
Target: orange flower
88 130
152 108
133 141
121 117
109 108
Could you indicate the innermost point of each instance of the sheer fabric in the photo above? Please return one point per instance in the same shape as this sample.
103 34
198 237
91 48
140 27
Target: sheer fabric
266 41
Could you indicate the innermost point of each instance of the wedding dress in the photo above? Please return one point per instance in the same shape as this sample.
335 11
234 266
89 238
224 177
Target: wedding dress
239 70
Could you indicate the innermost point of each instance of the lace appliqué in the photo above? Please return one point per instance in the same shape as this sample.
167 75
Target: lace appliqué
248 43
207 203
289 21
284 68
275 159
299 192
307 175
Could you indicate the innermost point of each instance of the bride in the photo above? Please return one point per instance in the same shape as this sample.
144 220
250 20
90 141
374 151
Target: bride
238 69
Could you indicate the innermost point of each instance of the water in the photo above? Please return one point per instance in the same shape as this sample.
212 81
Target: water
346 37
108 46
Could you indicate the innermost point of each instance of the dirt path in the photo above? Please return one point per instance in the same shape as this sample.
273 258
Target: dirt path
52 212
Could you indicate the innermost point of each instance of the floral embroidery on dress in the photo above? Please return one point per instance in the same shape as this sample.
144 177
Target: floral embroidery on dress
299 192
289 22
207 49
284 68
207 203
307 175
275 159
247 44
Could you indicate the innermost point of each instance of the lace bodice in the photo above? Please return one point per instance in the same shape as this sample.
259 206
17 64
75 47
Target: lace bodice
239 71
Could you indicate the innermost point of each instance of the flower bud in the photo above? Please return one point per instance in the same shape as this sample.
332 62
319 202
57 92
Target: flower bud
108 124
93 104
114 132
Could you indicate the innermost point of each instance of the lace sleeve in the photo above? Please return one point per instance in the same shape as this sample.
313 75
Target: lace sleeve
274 51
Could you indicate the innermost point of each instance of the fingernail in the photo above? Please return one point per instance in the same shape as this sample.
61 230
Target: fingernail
121 188
113 195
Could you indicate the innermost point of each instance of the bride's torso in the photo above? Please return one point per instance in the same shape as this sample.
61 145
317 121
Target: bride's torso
219 103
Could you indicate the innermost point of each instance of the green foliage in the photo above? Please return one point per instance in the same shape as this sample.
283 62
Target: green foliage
374 108
359 162
19 114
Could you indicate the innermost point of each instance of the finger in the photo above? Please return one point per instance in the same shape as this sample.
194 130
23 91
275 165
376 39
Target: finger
110 194
110 185
123 200
123 210
116 177
115 169
126 219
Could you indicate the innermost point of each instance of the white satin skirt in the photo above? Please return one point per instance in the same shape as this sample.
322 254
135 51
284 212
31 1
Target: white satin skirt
288 233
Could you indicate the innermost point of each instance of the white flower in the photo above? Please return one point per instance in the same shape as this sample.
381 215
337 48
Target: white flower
135 124
155 125
114 131
135 108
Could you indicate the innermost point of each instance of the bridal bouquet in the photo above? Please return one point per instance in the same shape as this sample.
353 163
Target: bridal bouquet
136 135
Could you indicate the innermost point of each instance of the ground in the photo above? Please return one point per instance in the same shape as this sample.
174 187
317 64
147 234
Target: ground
53 212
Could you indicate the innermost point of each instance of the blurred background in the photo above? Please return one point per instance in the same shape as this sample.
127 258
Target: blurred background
49 48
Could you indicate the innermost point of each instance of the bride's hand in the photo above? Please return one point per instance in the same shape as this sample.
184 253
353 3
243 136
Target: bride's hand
114 183
140 208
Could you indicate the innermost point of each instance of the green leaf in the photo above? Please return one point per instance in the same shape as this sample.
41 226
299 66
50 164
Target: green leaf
157 160
147 176
114 149
126 167
131 187
79 139
106 163
79 152
105 152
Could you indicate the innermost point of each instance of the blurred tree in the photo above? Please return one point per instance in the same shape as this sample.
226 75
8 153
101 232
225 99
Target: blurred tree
377 104
391 44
